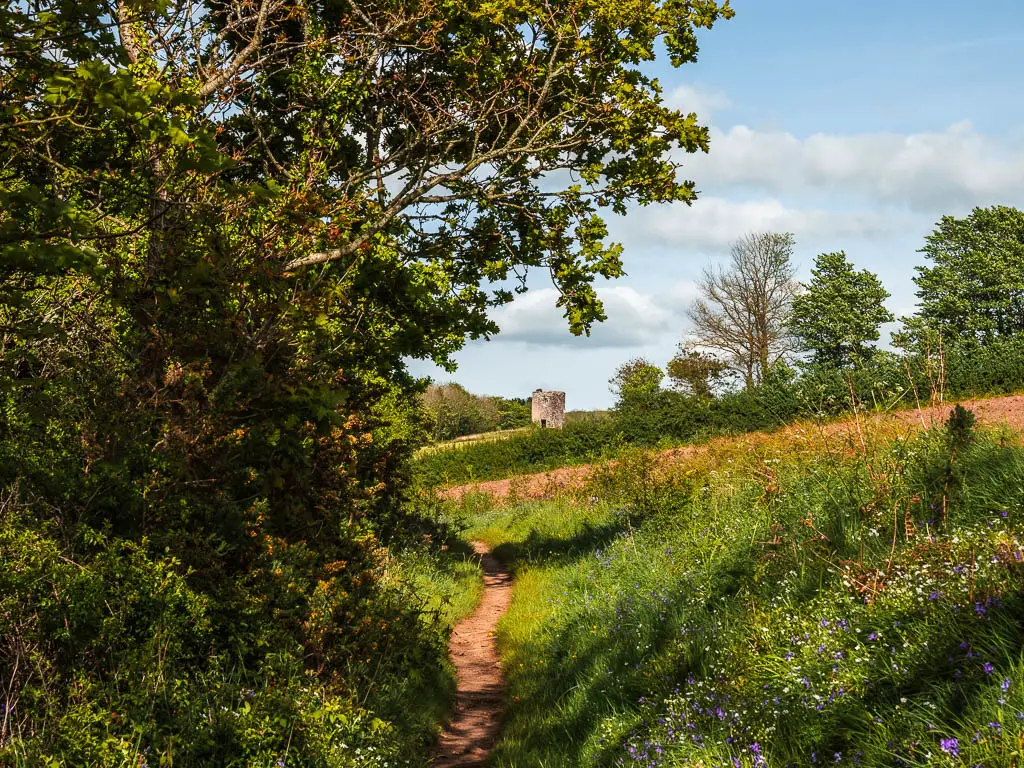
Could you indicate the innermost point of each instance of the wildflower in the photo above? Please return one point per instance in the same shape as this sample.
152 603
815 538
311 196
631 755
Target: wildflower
988 668
1005 685
950 746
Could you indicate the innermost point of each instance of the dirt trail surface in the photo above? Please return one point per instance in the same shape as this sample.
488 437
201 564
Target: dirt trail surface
469 738
1008 411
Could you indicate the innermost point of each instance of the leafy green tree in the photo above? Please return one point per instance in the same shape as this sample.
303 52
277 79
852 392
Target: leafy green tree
695 372
840 312
453 412
225 225
513 412
635 381
974 291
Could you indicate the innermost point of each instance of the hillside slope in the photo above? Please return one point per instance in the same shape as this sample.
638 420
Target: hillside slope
1007 411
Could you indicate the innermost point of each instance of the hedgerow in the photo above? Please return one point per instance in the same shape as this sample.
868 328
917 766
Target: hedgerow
666 417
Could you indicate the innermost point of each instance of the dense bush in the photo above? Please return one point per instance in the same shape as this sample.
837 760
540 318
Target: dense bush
115 657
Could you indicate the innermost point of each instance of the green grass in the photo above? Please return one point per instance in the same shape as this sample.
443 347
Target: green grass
768 607
529 450
448 584
463 442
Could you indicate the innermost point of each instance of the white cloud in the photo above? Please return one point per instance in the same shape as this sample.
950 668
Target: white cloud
923 171
689 98
634 319
712 223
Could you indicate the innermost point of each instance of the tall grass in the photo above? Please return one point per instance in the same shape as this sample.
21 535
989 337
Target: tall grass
793 601
668 418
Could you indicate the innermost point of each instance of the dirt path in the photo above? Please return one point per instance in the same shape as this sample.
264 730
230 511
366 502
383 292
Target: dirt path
996 410
469 738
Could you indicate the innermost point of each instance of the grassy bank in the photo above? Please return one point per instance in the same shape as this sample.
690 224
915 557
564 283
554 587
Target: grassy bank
796 603
530 450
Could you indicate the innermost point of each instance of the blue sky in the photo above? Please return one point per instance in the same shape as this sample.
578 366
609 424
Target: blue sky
855 126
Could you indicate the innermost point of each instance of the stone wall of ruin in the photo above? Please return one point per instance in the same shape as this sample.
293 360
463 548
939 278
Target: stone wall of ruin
548 408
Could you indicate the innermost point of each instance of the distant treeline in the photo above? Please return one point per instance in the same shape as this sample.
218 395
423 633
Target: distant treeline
451 411
801 351
668 417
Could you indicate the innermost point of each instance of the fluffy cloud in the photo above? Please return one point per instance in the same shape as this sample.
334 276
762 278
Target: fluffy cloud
925 171
689 98
634 319
713 223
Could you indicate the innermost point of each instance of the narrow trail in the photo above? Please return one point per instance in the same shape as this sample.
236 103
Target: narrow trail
474 729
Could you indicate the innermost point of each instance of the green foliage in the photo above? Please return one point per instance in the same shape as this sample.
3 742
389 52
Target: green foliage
974 291
840 312
635 382
772 610
453 412
209 289
514 412
884 381
695 372
534 450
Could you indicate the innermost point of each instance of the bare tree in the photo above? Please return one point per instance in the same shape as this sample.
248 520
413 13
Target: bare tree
744 310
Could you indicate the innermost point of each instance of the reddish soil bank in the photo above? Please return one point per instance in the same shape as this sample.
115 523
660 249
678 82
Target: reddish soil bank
994 411
474 729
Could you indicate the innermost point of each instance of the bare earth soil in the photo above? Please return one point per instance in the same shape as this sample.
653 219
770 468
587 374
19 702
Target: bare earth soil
474 729
994 411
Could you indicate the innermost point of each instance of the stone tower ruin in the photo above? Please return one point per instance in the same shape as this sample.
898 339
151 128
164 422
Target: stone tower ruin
548 408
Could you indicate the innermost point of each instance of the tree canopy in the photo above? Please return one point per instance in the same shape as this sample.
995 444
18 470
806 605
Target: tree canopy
634 381
695 372
840 312
225 225
974 290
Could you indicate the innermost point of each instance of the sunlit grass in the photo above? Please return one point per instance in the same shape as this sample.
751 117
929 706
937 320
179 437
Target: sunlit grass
804 598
